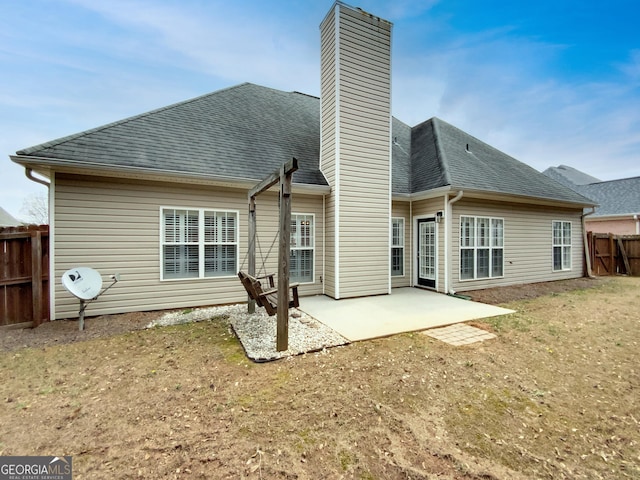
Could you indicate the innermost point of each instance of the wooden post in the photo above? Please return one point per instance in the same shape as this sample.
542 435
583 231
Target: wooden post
284 177
282 338
623 253
251 304
36 276
612 256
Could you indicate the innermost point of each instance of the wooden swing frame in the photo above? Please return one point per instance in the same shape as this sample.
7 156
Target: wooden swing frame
274 299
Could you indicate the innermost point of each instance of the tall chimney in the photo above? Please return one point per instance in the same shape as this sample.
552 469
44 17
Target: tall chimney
355 152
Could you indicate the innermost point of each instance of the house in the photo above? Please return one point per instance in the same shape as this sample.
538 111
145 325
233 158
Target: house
8 220
618 201
161 198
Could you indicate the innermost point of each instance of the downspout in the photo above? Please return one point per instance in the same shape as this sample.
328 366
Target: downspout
52 290
324 243
448 219
637 219
411 282
29 173
587 255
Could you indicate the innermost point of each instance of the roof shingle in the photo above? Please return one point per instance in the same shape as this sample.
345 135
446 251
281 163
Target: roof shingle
243 132
445 155
614 197
247 131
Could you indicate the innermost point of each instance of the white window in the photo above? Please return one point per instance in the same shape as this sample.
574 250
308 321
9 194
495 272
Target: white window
561 245
302 248
198 243
397 247
481 247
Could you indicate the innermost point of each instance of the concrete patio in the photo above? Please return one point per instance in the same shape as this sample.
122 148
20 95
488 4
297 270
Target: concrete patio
405 310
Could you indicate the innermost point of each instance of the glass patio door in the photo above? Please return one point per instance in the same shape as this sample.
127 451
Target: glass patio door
427 252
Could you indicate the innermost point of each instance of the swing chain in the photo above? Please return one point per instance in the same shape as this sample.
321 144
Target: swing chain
263 258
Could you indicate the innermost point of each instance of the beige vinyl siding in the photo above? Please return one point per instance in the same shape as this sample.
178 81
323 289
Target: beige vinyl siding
402 210
424 209
329 278
328 97
328 144
527 242
364 152
114 226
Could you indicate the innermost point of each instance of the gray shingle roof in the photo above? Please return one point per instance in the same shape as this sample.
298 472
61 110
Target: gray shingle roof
242 132
247 131
445 155
401 154
614 197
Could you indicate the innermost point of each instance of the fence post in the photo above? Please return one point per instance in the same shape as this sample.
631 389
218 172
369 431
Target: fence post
612 255
36 276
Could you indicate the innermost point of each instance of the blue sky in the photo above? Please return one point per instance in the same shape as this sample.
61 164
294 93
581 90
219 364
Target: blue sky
549 82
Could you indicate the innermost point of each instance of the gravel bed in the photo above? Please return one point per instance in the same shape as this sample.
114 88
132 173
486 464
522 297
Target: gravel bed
257 332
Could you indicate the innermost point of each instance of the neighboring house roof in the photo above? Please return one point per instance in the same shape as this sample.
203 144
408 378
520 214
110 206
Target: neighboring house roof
570 176
247 131
613 197
8 220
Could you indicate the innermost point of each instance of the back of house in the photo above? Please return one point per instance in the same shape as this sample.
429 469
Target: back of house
161 198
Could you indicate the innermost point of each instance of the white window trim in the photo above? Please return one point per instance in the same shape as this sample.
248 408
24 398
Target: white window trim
392 246
475 249
313 247
201 242
554 245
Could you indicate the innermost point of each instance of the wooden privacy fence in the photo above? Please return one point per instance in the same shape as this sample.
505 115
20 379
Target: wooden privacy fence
24 276
614 254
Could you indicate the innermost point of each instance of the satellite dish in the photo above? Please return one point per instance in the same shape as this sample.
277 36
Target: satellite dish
83 282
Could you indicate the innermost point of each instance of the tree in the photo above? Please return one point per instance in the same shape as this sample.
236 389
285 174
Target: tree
35 207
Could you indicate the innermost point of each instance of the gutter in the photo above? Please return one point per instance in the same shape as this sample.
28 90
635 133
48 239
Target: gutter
138 173
487 195
447 242
587 255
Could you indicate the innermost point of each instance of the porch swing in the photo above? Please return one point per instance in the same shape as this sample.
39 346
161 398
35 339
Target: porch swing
275 299
265 296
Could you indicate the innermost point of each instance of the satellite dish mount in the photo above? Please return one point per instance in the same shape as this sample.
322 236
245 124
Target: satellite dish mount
85 283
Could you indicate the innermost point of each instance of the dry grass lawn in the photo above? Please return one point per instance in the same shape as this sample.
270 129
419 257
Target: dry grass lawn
554 396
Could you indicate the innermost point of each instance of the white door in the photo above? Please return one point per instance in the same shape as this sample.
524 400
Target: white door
427 252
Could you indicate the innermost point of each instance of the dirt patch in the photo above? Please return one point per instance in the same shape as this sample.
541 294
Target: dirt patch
63 332
554 396
499 295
